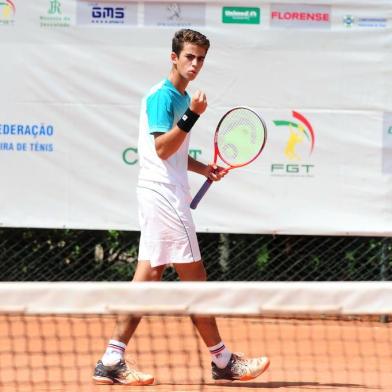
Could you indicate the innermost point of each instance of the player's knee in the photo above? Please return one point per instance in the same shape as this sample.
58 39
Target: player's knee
201 274
155 274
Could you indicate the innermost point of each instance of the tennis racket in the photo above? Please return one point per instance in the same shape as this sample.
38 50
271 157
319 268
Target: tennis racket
239 139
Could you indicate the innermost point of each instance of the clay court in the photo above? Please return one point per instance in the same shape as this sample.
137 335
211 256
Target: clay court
59 353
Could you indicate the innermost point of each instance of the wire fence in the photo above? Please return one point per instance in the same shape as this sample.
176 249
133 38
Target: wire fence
87 255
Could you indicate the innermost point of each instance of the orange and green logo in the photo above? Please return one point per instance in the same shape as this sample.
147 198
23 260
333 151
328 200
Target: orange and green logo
299 146
7 11
300 132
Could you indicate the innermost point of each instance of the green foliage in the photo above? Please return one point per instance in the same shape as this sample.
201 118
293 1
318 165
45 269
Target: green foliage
88 255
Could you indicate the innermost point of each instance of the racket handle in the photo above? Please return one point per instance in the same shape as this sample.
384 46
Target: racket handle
199 195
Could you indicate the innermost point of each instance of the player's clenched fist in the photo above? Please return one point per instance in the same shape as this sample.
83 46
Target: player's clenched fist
198 102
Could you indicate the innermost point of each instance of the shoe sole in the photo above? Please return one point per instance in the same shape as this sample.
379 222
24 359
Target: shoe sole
246 377
109 381
102 380
136 383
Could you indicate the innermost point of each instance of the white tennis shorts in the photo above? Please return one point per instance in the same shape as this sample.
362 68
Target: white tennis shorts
168 233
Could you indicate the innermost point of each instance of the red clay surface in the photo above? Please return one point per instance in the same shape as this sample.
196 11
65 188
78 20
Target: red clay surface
59 354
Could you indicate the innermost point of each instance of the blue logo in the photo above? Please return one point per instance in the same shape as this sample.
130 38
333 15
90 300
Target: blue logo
108 14
348 20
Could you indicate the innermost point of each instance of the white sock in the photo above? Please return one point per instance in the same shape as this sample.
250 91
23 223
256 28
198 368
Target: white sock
114 353
220 355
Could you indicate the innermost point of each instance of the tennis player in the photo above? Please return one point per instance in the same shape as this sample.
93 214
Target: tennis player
168 236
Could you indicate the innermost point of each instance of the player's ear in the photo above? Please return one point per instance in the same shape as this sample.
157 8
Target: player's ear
174 57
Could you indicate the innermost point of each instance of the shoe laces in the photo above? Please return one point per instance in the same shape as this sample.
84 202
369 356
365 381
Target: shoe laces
130 367
240 361
240 357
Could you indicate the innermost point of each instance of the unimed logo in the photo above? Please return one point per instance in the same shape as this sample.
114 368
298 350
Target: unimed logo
241 15
304 16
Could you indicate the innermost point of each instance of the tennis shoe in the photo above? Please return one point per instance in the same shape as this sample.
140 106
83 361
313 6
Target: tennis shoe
240 368
120 373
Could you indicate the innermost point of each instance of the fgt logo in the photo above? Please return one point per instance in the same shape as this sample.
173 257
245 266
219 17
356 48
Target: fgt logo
7 9
301 136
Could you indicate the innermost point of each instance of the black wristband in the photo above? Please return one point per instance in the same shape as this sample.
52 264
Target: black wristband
187 121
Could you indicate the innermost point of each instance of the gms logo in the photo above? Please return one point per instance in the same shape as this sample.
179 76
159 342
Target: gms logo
106 14
299 145
7 12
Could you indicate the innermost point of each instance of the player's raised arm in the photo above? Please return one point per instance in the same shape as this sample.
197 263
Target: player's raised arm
166 144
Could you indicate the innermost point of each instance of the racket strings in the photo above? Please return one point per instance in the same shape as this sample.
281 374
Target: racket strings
241 136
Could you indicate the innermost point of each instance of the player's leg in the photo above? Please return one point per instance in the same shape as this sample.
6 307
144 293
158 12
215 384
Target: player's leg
112 368
206 325
226 366
126 325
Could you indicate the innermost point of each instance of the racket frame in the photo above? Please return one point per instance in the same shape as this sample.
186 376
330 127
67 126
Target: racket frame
204 188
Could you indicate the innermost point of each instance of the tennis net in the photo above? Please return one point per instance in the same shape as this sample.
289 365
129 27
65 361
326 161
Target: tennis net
318 336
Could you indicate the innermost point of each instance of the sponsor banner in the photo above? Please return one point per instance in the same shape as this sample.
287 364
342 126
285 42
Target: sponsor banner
7 12
299 145
309 183
36 138
55 16
70 109
106 13
130 155
368 22
300 16
241 15
175 14
387 144
310 178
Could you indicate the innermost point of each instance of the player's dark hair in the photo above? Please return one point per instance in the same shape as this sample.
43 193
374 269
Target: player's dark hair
188 36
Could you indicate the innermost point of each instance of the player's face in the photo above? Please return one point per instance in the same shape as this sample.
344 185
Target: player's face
190 61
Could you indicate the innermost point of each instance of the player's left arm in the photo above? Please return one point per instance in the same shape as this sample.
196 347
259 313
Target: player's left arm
211 171
166 144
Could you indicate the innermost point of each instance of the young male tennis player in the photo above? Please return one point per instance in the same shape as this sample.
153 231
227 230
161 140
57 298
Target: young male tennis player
168 234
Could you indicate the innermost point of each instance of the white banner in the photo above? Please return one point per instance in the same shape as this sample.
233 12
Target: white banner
73 73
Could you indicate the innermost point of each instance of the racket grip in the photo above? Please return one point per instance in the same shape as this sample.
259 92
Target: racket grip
199 195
